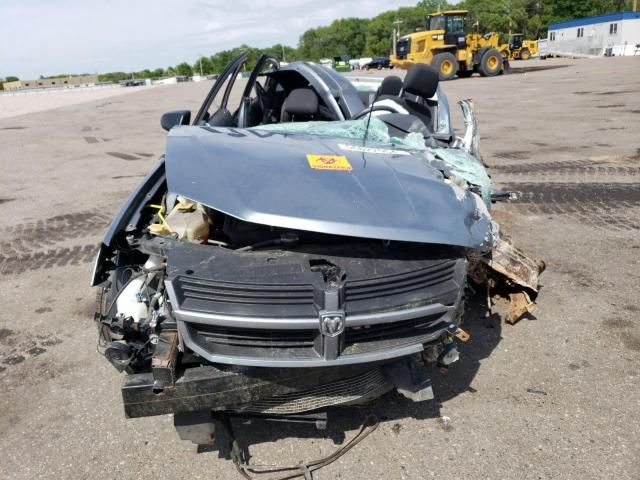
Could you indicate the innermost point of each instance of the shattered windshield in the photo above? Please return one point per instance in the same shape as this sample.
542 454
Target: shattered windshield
378 132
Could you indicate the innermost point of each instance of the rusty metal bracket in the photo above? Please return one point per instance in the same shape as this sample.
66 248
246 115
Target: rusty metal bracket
163 362
509 272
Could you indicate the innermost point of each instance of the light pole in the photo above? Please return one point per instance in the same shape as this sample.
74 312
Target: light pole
396 35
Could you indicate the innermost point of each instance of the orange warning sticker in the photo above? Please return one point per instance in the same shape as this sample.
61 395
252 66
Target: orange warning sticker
329 162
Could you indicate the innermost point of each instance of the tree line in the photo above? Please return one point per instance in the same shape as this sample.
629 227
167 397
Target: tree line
363 37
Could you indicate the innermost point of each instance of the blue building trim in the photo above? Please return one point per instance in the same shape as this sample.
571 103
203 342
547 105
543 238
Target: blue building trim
580 22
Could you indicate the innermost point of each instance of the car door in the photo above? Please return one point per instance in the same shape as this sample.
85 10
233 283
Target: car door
215 108
254 104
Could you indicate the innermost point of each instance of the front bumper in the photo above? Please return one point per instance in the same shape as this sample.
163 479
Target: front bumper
267 391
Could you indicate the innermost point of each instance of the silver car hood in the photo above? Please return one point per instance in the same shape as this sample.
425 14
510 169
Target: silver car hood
267 178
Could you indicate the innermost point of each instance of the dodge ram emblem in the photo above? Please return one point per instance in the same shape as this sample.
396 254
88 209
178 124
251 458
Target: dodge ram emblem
331 323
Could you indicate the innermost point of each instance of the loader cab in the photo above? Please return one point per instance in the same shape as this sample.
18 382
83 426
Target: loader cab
515 41
453 24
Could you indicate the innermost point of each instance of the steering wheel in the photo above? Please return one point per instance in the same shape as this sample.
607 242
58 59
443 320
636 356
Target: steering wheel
379 108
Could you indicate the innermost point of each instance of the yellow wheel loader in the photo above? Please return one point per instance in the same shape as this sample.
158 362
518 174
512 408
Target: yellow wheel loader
519 48
445 46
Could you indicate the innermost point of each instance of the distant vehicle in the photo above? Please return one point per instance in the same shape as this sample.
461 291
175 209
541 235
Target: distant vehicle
132 82
341 64
379 63
519 48
445 45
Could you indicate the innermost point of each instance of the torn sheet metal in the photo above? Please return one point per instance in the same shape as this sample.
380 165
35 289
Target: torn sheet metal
519 305
515 266
510 274
471 138
462 164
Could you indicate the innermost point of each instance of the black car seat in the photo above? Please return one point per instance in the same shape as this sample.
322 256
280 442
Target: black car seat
421 82
300 105
391 85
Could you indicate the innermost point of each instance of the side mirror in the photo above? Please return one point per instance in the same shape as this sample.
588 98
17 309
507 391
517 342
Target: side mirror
177 117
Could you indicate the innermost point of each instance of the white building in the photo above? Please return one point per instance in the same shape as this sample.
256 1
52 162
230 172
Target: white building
611 34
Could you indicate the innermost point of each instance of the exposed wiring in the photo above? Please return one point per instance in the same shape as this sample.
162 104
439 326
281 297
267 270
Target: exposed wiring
303 469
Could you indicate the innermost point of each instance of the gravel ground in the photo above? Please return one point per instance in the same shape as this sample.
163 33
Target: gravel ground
13 104
556 396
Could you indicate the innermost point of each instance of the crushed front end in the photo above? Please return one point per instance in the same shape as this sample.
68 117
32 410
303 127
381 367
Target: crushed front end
238 279
279 328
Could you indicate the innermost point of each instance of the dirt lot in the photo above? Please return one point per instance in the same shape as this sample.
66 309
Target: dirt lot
13 104
557 396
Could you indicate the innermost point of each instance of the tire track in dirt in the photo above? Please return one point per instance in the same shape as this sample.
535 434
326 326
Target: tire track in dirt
602 205
31 236
57 257
591 168
623 194
36 245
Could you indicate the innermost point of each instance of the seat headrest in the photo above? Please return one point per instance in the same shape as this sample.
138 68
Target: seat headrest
301 101
391 85
421 80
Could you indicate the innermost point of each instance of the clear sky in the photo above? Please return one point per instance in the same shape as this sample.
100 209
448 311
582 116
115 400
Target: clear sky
47 37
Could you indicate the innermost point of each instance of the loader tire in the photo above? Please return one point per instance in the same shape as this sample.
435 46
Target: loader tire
525 54
491 63
446 65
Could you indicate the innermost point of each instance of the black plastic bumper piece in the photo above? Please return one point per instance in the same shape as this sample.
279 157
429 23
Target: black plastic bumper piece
211 388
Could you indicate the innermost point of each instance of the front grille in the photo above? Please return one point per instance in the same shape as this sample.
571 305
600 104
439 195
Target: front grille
254 342
403 46
216 296
385 335
347 390
235 313
401 283
435 283
246 293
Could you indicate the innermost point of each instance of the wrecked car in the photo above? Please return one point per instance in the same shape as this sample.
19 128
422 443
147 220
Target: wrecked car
305 246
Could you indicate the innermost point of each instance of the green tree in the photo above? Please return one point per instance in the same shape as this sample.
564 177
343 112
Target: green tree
113 77
11 78
346 36
184 69
203 65
146 73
